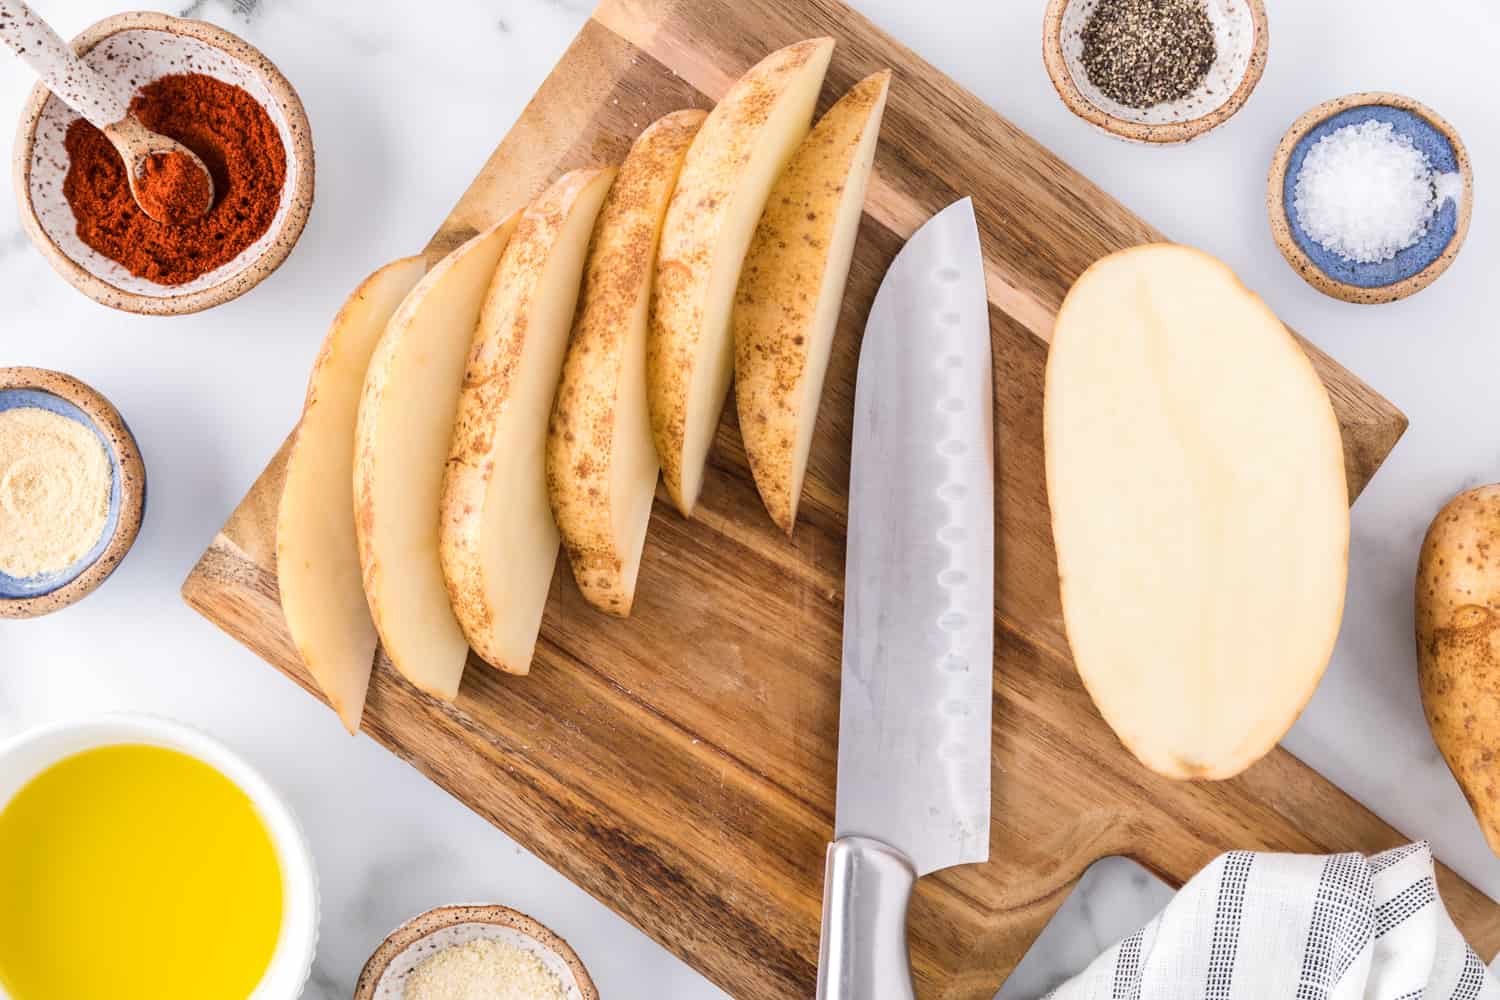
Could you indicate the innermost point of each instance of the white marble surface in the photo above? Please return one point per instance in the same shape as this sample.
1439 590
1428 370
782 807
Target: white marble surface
211 396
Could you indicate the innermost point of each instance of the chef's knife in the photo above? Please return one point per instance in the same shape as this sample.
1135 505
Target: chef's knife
914 709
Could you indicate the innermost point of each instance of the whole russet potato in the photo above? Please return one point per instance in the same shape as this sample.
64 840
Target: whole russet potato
1458 646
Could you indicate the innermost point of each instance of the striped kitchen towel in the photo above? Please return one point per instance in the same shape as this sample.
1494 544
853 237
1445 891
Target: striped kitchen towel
1302 927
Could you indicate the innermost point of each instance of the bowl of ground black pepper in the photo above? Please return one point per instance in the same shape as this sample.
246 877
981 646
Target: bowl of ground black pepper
1155 71
223 100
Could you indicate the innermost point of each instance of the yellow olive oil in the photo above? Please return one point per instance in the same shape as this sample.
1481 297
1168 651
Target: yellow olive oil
135 872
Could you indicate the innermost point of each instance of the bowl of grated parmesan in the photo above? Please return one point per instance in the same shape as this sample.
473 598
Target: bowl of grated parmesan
1370 197
465 952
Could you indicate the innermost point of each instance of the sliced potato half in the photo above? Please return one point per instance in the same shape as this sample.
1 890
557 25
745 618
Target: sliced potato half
405 425
1196 479
730 168
601 463
499 543
791 288
317 554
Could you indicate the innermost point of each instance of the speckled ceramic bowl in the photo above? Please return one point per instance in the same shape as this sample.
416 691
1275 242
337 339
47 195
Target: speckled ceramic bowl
1241 38
144 47
1412 269
61 394
384 975
24 757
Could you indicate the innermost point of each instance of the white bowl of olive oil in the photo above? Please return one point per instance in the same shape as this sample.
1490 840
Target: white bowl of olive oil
143 860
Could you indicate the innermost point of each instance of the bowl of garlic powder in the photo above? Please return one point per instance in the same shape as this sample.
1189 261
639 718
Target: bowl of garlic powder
1370 197
72 491
489 952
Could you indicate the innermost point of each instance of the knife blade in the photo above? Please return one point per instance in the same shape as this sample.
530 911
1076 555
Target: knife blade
915 698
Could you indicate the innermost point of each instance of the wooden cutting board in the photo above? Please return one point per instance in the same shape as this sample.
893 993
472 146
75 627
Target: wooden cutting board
679 765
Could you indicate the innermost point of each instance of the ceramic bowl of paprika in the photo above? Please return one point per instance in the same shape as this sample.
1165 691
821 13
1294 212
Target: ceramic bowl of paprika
142 48
1241 40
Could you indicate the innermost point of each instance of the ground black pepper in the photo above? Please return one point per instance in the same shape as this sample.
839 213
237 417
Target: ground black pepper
1147 52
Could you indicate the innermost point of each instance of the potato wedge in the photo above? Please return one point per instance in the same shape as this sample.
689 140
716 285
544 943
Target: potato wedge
1458 646
601 462
1196 480
791 288
498 540
317 554
730 168
406 411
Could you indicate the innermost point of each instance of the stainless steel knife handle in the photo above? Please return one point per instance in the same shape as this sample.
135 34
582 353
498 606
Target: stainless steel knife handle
863 954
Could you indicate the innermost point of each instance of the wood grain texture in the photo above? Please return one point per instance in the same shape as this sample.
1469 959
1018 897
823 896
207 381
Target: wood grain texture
679 764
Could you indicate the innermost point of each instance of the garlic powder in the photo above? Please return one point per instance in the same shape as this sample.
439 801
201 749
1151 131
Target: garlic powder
483 969
55 481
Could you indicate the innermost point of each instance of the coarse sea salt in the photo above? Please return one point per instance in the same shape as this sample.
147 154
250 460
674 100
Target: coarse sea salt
1366 193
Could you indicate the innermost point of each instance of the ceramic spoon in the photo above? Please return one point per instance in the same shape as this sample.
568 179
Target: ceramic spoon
100 100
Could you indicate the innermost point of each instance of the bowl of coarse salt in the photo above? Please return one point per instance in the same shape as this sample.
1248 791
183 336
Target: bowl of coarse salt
1370 197
460 951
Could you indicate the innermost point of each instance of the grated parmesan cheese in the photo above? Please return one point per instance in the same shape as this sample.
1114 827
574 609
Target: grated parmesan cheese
1366 193
483 969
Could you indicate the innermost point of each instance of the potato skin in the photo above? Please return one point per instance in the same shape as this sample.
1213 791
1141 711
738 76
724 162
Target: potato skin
495 363
1458 646
701 207
612 311
786 290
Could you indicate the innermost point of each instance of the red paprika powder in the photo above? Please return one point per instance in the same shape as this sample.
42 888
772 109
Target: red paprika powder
233 136
172 188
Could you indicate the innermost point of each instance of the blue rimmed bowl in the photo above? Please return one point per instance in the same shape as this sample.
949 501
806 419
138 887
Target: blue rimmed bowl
33 596
1413 268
